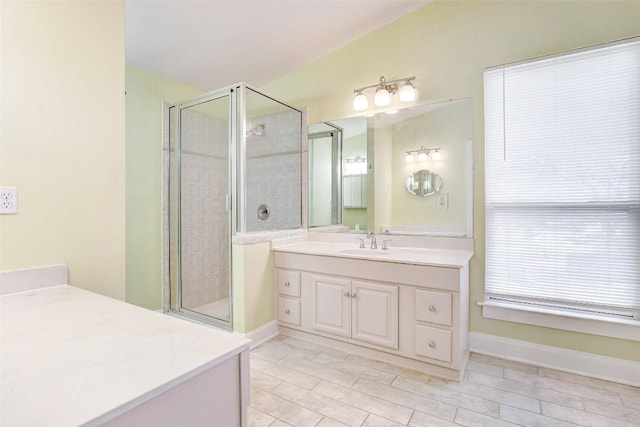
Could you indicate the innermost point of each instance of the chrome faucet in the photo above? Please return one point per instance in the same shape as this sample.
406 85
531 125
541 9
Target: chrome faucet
374 244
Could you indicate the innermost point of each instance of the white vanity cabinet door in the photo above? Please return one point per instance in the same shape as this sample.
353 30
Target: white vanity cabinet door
354 191
433 342
289 283
331 305
433 307
374 316
289 310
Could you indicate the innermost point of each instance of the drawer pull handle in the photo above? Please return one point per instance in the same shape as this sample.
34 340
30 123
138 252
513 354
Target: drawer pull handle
432 344
432 308
287 311
287 284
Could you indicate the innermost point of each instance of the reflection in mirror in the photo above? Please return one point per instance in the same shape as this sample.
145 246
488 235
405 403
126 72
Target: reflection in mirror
325 177
423 183
377 200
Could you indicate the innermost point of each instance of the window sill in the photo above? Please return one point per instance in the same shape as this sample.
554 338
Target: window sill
559 319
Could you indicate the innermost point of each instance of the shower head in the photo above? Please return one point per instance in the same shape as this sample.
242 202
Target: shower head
259 130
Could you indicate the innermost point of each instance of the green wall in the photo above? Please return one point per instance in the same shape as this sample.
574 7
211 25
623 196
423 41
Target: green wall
63 139
447 45
145 93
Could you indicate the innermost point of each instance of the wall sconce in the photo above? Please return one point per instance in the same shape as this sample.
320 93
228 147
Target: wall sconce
384 90
423 154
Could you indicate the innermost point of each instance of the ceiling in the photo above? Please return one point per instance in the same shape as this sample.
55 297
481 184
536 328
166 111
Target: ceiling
213 43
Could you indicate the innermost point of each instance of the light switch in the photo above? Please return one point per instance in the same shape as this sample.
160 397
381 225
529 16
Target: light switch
442 201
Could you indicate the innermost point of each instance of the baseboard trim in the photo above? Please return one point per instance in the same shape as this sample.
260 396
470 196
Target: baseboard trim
576 362
263 333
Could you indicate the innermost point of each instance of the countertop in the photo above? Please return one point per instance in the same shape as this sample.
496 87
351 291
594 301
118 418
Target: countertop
71 357
403 255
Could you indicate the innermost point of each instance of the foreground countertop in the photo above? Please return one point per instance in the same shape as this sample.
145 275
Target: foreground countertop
404 255
71 357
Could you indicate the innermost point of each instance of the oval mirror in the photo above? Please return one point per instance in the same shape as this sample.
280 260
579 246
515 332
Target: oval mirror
423 183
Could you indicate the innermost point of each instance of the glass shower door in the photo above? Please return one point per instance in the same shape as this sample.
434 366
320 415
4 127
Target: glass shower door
203 171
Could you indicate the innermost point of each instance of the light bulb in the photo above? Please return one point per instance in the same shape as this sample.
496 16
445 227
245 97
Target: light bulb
422 157
382 98
360 102
436 155
407 92
409 158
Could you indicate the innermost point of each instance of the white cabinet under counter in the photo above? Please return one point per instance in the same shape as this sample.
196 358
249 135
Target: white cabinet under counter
75 358
411 310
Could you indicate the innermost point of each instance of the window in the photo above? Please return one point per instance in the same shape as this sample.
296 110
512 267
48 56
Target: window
562 158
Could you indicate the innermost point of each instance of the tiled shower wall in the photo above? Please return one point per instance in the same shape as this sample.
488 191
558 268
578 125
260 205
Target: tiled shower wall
274 171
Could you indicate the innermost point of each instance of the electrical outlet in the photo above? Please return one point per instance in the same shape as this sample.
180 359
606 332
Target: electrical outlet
442 201
8 200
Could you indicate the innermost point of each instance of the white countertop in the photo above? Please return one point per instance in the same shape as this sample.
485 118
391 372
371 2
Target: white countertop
403 255
71 357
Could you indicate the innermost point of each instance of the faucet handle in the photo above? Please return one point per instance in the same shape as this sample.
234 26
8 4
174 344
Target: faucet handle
384 244
361 242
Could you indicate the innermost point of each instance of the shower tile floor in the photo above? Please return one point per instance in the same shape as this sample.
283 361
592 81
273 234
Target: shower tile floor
218 309
298 383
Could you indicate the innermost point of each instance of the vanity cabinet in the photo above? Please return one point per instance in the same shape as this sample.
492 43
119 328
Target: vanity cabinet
433 320
414 315
363 311
354 191
288 296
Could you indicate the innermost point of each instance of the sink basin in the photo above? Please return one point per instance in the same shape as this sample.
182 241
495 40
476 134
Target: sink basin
367 252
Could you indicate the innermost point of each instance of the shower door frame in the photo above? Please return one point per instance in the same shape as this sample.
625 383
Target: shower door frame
241 211
236 197
173 304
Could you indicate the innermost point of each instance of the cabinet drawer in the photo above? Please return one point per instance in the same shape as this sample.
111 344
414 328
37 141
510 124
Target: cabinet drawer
289 310
289 283
433 342
433 307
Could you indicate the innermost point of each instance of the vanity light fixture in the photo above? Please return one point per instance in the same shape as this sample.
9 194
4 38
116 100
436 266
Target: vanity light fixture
355 165
360 102
407 92
423 154
384 91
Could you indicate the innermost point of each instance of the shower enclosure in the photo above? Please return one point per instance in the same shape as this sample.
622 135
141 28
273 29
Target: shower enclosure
232 166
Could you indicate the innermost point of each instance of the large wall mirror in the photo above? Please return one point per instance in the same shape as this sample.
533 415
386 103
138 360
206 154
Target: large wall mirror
358 171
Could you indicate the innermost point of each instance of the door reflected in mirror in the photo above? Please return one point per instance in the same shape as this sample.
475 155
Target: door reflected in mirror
378 200
423 183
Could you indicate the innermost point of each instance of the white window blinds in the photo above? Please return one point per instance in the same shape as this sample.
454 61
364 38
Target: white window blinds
562 175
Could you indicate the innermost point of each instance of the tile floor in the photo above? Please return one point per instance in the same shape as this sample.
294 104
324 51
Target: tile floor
298 383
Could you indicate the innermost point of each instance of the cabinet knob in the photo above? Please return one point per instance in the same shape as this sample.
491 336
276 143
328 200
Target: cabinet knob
347 294
287 311
287 284
432 308
432 344
353 295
